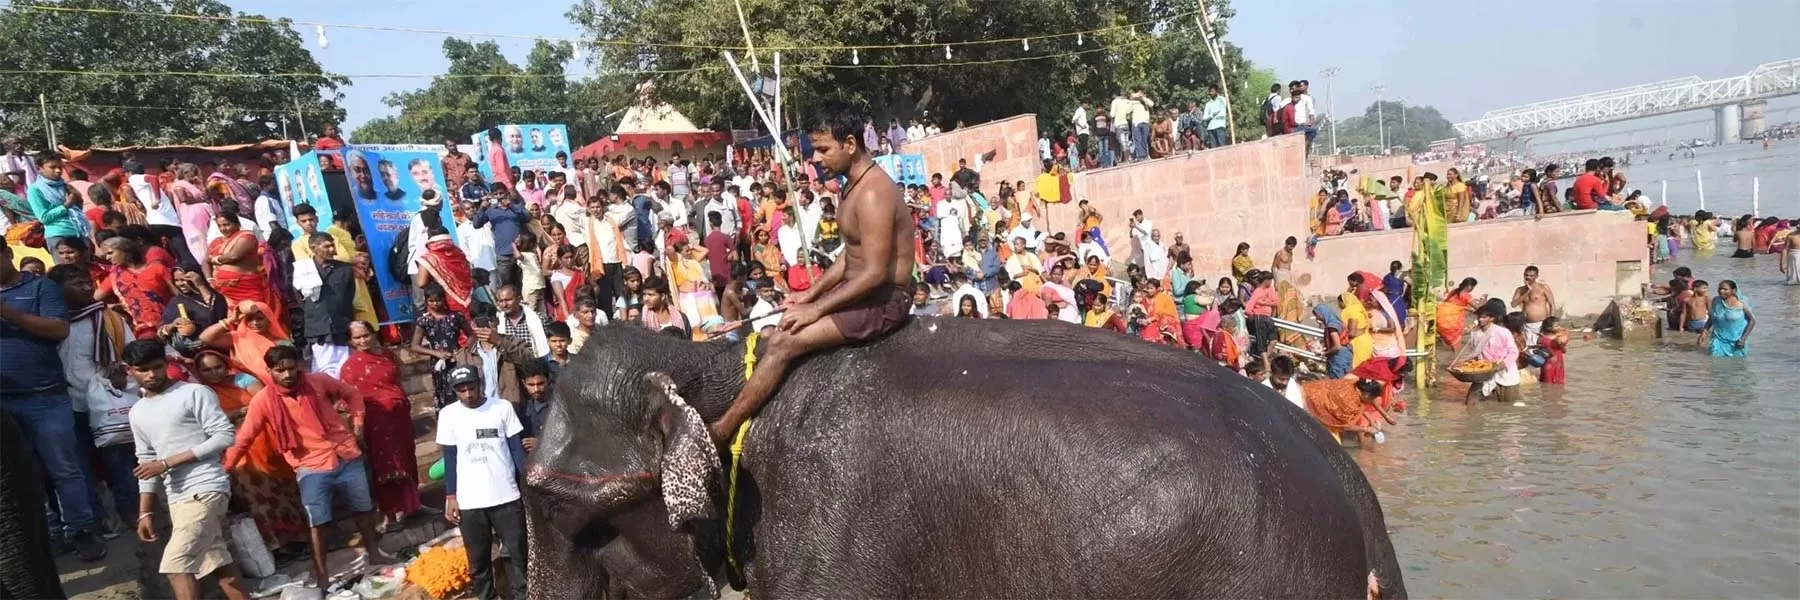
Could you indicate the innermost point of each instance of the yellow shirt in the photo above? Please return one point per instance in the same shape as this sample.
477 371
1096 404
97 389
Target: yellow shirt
346 245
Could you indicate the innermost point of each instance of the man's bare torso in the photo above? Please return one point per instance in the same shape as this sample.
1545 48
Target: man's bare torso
876 193
1535 301
1283 260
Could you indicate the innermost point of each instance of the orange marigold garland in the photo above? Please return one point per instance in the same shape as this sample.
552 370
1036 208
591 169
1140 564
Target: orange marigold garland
442 571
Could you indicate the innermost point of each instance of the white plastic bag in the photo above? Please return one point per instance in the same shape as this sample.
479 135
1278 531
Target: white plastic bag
247 549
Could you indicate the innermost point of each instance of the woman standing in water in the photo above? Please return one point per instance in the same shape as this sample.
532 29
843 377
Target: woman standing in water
1728 331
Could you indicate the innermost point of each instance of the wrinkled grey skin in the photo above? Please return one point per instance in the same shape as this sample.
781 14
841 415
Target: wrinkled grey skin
956 458
27 570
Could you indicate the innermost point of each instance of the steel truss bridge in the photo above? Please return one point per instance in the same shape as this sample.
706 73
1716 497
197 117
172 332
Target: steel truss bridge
1766 81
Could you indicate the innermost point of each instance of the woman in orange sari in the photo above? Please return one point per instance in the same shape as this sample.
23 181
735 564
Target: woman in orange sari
263 480
237 263
1453 313
247 333
1345 405
387 425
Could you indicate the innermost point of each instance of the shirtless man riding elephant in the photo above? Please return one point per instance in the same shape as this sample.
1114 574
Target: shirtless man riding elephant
864 295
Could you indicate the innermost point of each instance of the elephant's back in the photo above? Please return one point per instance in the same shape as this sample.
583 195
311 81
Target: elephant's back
1067 447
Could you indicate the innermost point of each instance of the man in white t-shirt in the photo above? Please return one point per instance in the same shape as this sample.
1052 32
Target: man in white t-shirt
1304 113
484 461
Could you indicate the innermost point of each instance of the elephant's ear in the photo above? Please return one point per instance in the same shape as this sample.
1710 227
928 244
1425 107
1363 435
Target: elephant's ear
689 459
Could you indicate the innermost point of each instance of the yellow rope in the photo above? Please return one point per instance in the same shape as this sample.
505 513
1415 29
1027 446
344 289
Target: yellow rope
737 456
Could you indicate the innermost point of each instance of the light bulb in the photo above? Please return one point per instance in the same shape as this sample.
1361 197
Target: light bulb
946 52
1027 43
854 58
1078 39
323 42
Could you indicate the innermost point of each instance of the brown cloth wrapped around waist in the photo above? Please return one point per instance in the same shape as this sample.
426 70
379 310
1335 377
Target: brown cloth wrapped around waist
883 310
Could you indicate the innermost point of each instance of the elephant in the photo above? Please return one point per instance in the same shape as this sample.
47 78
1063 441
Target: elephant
953 458
27 566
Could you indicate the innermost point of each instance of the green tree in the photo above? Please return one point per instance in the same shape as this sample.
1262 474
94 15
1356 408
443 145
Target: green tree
482 89
69 57
1415 131
1094 69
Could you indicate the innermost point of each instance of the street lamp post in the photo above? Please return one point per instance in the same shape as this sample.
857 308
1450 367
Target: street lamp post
1402 101
1330 73
1380 119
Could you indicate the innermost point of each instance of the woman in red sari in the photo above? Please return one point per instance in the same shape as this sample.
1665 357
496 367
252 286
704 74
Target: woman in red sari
141 286
566 281
446 264
387 425
237 263
1391 373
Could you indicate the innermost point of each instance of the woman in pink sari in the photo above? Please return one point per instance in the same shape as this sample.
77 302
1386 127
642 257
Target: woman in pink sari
191 205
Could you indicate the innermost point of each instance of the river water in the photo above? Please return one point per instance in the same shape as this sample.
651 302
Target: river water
1655 472
1729 174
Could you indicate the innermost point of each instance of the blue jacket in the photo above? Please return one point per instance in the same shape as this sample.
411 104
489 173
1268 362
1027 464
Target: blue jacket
507 223
46 199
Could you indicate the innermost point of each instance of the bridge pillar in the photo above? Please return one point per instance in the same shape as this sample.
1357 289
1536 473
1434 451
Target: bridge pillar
1725 125
1752 125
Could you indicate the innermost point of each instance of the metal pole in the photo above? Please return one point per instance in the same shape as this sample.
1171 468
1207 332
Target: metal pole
1330 106
49 129
1701 184
777 131
1204 18
1756 197
749 48
300 114
1380 121
1665 192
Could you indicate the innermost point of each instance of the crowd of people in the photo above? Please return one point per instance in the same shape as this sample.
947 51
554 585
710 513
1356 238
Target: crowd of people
183 341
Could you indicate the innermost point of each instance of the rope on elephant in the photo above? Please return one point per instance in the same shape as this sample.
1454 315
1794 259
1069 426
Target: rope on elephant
737 457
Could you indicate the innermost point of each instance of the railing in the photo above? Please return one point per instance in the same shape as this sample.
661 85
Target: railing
1688 93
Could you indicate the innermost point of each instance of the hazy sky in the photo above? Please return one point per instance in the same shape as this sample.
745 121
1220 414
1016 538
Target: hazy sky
1463 57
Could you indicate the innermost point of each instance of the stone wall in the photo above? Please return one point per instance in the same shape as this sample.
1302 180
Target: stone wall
1012 140
1586 257
1252 192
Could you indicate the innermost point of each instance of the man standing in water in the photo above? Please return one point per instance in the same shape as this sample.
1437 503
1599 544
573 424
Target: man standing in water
866 294
1538 303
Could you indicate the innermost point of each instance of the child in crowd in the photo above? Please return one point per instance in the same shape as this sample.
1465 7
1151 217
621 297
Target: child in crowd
31 264
558 335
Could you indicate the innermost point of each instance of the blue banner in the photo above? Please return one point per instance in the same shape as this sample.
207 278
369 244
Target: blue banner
301 182
385 187
905 169
531 146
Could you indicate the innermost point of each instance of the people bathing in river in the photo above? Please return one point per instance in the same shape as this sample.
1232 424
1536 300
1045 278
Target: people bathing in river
1728 329
1692 307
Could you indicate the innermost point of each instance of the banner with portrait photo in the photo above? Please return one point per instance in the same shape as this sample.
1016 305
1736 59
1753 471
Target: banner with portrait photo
301 182
531 146
905 169
386 188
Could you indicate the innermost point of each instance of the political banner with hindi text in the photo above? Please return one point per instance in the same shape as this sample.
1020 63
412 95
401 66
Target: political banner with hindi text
301 182
529 147
386 188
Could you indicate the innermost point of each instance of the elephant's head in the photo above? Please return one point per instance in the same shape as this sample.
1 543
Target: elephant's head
621 487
